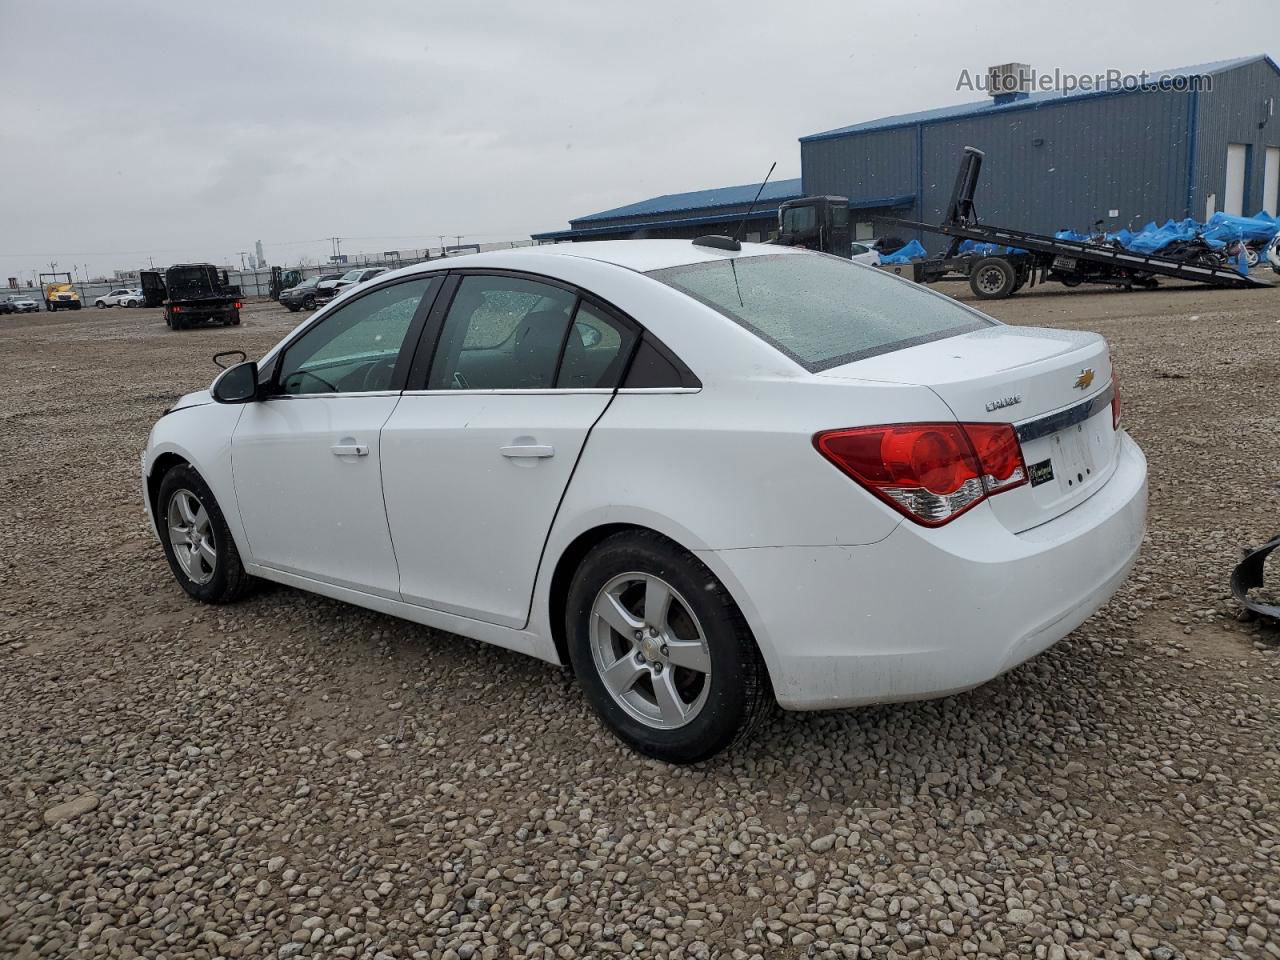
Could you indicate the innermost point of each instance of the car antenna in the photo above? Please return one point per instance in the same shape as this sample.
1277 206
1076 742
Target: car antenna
743 222
719 242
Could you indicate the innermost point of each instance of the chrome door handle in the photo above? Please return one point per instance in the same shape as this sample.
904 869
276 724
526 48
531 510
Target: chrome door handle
527 450
350 449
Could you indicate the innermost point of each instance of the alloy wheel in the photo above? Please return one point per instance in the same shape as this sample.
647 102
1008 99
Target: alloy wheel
191 536
650 650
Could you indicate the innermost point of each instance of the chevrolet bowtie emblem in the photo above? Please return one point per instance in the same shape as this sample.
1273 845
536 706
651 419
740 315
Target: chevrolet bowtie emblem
1085 378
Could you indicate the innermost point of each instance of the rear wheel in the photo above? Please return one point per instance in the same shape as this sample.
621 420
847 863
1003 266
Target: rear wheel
197 542
993 278
662 651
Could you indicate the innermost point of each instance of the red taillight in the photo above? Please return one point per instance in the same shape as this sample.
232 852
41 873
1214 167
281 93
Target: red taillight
1115 399
237 304
176 309
931 472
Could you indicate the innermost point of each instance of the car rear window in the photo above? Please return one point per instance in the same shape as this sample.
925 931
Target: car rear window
822 311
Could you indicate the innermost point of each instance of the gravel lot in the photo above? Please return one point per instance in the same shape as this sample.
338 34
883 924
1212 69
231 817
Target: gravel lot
295 777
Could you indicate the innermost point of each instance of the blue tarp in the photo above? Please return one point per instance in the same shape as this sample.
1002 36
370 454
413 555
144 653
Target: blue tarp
912 251
1220 230
988 249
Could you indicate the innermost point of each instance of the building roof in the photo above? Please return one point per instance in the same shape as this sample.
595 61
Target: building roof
774 193
989 106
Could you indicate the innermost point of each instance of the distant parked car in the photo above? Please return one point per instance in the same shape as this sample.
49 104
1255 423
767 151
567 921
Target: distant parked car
349 279
1273 253
864 253
305 294
22 304
120 297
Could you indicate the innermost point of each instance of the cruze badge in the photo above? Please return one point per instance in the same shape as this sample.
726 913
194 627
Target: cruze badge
1085 378
1003 402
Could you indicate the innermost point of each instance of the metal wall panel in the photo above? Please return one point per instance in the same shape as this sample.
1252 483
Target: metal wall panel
1067 165
862 167
1233 112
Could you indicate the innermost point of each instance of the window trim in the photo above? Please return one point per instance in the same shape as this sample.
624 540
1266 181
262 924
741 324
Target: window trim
429 341
275 360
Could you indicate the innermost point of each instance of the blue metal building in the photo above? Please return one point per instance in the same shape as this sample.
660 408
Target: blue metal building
685 215
1188 142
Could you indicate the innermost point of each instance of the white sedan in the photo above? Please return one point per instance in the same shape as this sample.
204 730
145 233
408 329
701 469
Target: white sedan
863 252
120 297
706 478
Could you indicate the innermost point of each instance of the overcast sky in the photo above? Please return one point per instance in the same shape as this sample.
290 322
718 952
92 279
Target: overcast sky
188 131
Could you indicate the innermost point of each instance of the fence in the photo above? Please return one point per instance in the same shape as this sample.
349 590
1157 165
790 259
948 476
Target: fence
257 283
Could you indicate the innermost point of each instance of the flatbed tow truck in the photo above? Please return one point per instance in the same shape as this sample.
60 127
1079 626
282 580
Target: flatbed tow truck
1029 258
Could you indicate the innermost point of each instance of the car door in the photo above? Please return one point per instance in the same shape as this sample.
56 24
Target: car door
306 459
477 455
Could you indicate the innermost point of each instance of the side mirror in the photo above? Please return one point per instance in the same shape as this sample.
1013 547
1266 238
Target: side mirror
238 384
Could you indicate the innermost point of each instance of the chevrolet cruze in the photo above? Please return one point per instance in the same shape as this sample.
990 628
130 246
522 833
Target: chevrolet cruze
705 478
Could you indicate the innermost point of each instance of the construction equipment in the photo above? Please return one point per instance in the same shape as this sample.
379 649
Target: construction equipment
1018 257
59 294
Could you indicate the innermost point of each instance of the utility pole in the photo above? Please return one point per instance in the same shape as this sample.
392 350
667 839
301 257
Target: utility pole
458 242
442 250
243 268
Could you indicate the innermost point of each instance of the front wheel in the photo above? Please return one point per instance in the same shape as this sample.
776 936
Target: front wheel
101 305
197 541
309 302
662 651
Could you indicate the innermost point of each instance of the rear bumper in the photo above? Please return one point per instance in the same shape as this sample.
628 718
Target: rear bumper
925 613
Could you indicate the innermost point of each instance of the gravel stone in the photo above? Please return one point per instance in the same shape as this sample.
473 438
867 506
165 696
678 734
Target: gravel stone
292 777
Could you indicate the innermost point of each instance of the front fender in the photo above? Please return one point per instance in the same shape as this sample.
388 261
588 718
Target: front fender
201 436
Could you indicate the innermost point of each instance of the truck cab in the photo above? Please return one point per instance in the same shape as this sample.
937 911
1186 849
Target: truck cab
198 294
816 223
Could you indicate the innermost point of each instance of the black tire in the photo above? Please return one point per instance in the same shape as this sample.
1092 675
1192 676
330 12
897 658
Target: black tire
309 302
228 580
100 305
738 695
992 278
1071 281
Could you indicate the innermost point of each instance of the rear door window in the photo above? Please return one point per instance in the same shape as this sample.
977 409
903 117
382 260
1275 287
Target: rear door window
502 333
819 310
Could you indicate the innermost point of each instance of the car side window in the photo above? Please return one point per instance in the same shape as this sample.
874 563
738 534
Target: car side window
596 351
355 348
501 333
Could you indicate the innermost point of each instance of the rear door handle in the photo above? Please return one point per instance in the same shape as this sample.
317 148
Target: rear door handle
527 450
350 449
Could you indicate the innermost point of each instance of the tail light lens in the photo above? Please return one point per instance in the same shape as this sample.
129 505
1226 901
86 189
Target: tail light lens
176 309
1115 399
237 304
930 472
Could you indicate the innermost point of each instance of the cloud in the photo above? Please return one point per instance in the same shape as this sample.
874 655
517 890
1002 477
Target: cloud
189 132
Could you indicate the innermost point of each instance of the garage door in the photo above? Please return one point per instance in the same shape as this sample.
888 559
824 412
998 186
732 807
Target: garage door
1271 181
1233 198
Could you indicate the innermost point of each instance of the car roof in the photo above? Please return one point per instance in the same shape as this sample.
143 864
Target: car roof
638 255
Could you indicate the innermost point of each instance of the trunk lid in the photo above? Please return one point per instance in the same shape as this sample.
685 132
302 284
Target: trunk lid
1054 386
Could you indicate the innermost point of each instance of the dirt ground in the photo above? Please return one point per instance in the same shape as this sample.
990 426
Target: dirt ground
290 776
